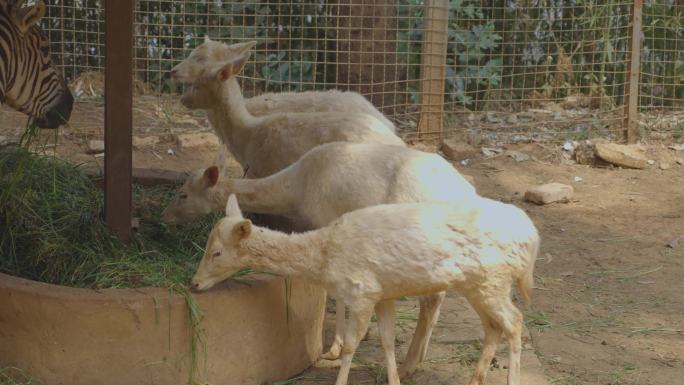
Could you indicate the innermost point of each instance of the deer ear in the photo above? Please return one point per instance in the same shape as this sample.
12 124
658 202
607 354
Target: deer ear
242 230
27 17
243 47
224 72
232 207
211 176
239 63
232 68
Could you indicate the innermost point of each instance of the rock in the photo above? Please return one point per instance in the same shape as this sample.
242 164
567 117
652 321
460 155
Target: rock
3 140
680 161
553 107
549 193
517 155
622 155
512 119
198 140
145 141
585 153
491 117
95 147
677 147
650 162
571 102
490 151
568 146
664 166
517 138
474 139
456 150
525 116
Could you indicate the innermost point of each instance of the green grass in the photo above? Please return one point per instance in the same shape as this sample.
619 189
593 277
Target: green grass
53 230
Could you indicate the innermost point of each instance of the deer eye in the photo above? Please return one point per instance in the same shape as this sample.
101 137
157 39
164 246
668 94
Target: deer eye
216 253
182 196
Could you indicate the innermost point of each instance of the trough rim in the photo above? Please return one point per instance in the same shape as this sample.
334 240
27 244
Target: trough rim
51 290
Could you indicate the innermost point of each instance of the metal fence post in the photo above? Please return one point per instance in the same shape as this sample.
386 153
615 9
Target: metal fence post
118 115
433 69
631 111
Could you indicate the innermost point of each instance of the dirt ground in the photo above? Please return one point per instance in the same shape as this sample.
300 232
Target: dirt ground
609 299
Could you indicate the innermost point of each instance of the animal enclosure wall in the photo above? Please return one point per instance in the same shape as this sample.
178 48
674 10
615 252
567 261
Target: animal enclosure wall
512 69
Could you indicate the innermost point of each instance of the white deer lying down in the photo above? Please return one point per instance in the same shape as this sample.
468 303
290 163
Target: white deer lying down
369 257
328 181
266 144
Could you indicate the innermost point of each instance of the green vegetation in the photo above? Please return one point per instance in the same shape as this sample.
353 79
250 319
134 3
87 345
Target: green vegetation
51 214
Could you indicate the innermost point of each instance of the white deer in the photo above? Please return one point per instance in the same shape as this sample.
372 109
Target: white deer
369 257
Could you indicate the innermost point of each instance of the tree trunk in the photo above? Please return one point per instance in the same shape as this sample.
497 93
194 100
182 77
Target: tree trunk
367 59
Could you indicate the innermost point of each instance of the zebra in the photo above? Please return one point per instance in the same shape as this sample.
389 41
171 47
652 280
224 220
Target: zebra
29 82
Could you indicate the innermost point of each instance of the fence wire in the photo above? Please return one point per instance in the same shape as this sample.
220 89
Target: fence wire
516 70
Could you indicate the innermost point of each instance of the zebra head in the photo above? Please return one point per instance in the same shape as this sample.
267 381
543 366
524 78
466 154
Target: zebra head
28 80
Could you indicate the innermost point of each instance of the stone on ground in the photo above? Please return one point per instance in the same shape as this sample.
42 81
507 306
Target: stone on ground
95 147
630 156
549 193
457 150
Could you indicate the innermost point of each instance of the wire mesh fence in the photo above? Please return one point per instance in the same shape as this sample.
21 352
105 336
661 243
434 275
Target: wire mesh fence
512 69
661 94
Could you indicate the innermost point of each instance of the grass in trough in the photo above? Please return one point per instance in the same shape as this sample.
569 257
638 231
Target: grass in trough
53 230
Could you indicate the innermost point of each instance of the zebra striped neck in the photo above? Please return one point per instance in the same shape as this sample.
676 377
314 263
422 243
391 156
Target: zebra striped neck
7 33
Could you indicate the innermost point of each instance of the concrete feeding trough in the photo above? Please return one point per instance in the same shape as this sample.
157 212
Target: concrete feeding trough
258 330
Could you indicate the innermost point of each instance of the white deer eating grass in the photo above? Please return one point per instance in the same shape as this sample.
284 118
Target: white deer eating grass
369 257
266 144
328 181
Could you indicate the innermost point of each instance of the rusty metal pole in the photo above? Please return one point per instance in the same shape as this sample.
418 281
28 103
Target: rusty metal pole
118 116
433 69
631 123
